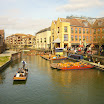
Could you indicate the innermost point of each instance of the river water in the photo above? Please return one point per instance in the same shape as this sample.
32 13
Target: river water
45 85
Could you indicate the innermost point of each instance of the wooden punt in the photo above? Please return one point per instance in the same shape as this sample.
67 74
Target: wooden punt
71 66
76 67
20 76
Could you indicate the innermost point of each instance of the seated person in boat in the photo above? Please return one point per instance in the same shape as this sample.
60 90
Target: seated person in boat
17 75
26 69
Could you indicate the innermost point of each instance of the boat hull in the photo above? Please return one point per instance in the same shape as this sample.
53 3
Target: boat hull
76 68
55 66
19 78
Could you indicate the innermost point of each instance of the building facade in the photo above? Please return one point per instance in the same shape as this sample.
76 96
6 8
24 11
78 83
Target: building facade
20 41
2 41
29 42
98 32
70 32
43 38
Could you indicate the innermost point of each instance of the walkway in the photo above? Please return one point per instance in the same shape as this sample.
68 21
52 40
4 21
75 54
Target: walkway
101 67
7 53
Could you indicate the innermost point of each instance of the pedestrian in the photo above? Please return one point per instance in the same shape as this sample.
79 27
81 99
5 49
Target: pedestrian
75 51
98 63
85 50
49 55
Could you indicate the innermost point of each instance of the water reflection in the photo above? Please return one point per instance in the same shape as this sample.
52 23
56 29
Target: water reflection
43 82
2 77
19 82
9 70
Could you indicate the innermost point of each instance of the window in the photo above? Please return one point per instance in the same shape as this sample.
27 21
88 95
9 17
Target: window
103 30
53 38
79 37
87 38
83 38
44 39
41 40
37 40
65 37
94 31
72 30
65 29
76 38
87 31
90 38
75 30
79 30
83 31
58 29
90 31
52 31
94 38
98 31
98 37
72 38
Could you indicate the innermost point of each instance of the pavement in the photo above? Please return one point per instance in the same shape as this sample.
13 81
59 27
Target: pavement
7 53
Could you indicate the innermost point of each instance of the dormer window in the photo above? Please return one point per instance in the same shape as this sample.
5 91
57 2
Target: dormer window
99 23
85 23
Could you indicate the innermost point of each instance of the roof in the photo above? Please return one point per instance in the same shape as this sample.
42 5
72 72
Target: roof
28 36
57 41
76 22
43 30
99 23
19 34
16 35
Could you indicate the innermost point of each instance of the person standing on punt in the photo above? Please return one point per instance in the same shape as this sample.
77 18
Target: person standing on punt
23 62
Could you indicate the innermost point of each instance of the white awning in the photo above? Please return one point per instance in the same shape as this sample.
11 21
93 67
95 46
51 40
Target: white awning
57 41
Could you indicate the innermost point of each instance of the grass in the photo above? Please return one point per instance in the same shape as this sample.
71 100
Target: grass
4 59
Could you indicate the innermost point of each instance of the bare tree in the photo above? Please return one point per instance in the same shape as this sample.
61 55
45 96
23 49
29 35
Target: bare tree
100 42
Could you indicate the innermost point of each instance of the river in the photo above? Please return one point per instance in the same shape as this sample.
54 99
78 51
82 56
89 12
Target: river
45 85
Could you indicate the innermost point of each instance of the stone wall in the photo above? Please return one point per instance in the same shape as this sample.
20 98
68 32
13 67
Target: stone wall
3 66
15 56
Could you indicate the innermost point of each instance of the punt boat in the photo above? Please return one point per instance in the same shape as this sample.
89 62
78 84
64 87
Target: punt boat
71 66
21 75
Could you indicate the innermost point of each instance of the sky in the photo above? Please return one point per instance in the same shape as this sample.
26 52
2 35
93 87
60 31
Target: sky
30 16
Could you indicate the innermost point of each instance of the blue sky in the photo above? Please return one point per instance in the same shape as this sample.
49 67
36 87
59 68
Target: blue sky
30 16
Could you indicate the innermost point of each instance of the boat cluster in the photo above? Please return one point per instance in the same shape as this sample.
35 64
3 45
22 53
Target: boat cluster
21 74
53 57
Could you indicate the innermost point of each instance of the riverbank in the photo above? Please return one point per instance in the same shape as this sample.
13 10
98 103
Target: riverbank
4 59
7 57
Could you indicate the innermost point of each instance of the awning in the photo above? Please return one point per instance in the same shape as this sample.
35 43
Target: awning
59 48
80 45
57 41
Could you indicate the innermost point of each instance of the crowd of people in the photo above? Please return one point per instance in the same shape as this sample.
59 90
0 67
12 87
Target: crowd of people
77 50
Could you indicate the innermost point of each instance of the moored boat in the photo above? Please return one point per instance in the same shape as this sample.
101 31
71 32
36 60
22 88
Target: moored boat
71 66
53 57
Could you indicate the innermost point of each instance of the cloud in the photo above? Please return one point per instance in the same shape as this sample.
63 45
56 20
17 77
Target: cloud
22 25
75 5
101 13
